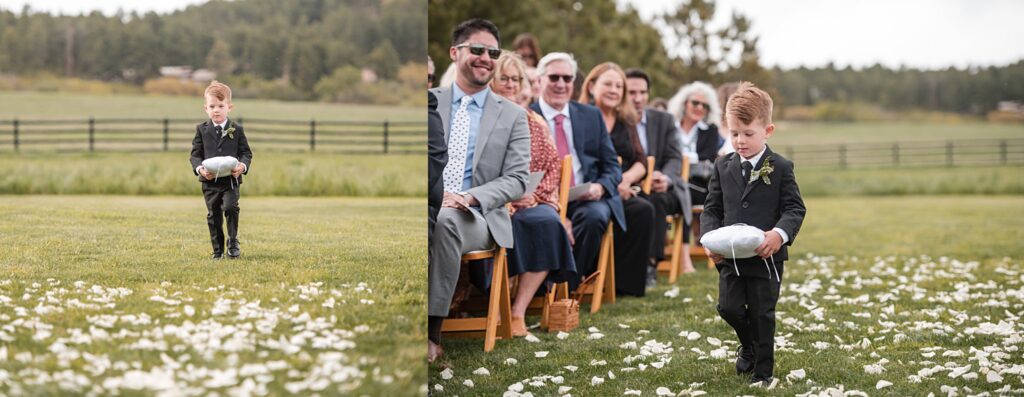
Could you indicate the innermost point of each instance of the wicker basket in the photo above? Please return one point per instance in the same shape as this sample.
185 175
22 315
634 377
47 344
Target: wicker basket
565 315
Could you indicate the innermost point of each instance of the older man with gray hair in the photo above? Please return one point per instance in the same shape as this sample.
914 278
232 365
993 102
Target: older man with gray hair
579 130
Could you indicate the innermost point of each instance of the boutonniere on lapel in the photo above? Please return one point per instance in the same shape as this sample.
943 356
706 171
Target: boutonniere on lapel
231 130
763 173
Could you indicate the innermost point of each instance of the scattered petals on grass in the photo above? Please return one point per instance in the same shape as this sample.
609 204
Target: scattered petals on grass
173 339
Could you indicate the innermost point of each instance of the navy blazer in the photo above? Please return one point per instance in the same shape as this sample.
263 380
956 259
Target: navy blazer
593 144
733 200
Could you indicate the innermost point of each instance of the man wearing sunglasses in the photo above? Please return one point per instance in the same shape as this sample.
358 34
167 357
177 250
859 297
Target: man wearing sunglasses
488 164
579 130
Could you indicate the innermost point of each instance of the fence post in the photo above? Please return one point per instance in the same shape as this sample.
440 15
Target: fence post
1002 152
312 135
842 156
15 122
949 153
896 154
385 137
92 132
167 130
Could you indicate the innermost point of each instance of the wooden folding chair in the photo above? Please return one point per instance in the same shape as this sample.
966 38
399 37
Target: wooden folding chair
649 179
674 248
498 321
603 290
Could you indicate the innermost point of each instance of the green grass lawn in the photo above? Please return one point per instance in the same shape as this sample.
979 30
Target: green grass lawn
806 133
822 182
112 295
898 284
48 105
272 173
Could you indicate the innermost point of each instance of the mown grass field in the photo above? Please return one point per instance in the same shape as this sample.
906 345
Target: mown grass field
272 174
109 295
325 174
806 133
48 105
921 292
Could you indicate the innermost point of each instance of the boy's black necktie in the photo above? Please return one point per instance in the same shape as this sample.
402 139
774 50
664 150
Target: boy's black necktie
747 167
219 131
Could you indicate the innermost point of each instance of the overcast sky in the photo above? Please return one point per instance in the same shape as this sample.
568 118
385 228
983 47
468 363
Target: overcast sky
917 33
109 7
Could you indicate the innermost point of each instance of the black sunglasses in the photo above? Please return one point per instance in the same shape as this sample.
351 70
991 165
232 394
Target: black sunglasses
567 78
696 103
478 49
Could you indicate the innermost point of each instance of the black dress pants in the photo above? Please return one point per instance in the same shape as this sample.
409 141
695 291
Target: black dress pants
634 246
748 305
221 203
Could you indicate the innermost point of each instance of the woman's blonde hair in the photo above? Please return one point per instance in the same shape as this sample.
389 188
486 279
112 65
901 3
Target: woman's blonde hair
624 110
505 61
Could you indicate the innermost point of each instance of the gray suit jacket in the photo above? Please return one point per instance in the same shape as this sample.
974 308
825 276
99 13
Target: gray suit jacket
668 157
501 159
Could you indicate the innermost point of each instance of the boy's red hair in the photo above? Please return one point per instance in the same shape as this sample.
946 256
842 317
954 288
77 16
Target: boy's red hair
749 103
218 90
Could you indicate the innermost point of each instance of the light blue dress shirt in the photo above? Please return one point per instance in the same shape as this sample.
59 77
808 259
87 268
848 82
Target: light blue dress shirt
476 112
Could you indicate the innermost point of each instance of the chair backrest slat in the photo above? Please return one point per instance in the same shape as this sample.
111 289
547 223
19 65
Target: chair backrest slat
650 175
686 169
563 188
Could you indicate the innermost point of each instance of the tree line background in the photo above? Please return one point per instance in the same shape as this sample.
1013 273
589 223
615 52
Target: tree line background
294 50
596 31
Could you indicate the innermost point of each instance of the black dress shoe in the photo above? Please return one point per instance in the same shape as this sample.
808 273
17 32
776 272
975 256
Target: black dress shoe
760 381
652 276
216 256
233 250
744 360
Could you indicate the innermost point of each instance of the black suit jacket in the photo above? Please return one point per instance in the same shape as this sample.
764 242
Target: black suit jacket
437 152
593 145
208 144
707 143
765 206
668 156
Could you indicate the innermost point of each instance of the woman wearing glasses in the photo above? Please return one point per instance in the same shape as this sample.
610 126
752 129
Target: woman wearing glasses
543 250
605 87
696 108
697 111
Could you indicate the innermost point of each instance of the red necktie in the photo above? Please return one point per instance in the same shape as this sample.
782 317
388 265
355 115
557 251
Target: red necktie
562 144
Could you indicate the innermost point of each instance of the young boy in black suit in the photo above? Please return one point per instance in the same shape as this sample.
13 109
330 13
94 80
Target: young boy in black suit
757 187
218 137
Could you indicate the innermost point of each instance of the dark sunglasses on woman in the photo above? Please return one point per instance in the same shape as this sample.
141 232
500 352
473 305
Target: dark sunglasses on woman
695 103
